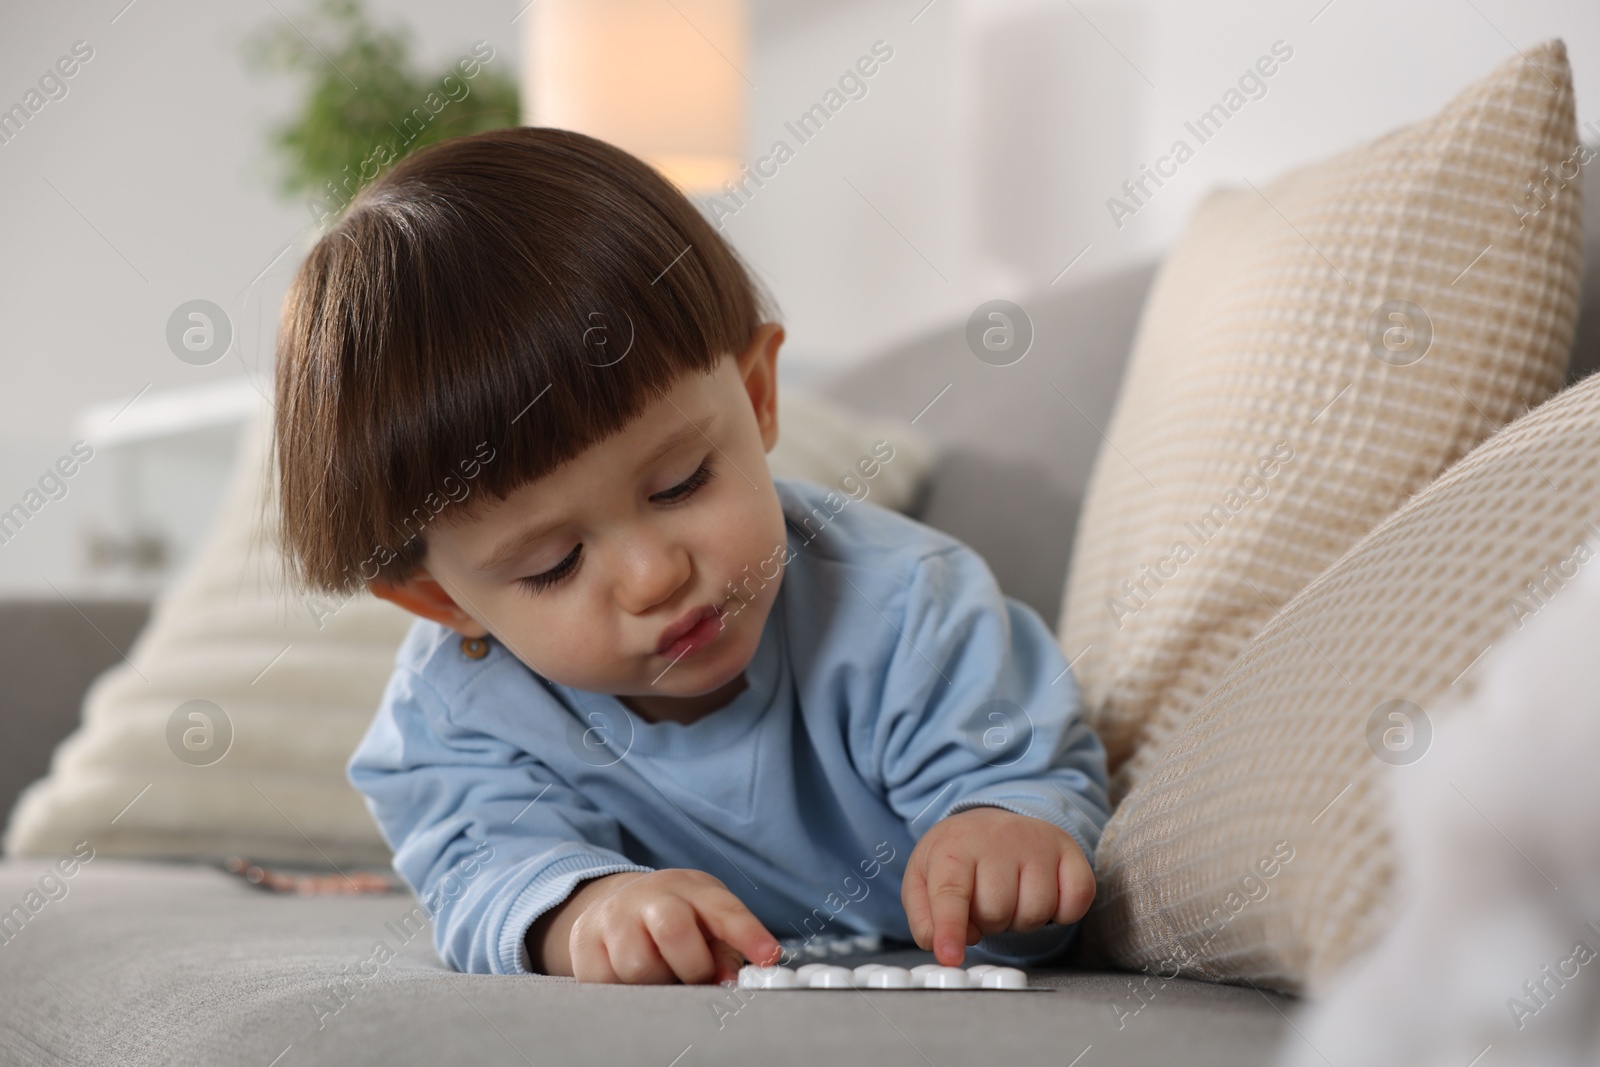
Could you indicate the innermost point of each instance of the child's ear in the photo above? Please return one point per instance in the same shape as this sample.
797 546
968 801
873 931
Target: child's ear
421 595
758 366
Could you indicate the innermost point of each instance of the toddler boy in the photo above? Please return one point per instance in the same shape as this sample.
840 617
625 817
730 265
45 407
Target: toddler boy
658 706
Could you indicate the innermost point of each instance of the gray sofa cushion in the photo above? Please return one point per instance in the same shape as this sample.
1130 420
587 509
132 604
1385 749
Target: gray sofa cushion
144 963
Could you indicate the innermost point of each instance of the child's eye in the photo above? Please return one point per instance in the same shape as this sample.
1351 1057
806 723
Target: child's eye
678 493
538 582
688 487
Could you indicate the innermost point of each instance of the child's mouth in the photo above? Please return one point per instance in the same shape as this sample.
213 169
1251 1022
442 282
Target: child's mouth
700 634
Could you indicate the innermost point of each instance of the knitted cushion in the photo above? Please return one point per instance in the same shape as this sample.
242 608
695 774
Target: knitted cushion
1279 401
286 685
1281 767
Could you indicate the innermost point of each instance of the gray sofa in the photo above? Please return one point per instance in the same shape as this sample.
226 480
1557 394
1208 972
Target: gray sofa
146 963
152 963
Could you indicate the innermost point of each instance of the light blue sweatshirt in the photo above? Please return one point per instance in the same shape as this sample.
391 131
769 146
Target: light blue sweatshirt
894 685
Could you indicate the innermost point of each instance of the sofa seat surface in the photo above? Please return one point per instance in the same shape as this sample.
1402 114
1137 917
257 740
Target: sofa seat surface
153 963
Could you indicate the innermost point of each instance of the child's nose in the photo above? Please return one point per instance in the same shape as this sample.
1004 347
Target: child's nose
654 567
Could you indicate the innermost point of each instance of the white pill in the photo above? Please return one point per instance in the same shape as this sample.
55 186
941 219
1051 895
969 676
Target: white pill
842 947
832 978
890 978
978 970
806 970
767 978
921 969
865 969
814 950
1005 978
945 978
867 942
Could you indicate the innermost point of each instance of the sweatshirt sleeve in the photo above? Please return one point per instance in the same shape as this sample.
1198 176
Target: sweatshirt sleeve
979 708
487 836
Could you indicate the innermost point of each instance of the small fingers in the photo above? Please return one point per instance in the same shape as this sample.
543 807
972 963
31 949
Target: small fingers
1037 893
675 929
728 960
586 949
634 957
728 920
1076 887
914 898
950 883
994 896
592 963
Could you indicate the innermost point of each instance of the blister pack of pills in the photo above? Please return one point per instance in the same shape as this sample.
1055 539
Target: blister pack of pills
826 946
881 976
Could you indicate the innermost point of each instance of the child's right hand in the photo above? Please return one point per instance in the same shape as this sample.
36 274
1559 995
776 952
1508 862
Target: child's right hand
667 925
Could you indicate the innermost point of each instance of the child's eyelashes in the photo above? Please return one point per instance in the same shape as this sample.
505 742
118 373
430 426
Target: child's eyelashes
539 582
688 487
691 485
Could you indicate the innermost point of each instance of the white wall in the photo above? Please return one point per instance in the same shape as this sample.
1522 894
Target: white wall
994 138
981 160
166 194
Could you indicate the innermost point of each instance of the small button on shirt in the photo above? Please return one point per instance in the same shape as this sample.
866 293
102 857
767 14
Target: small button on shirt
893 685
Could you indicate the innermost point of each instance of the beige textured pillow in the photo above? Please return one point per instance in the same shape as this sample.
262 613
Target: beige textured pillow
1266 423
141 778
1286 757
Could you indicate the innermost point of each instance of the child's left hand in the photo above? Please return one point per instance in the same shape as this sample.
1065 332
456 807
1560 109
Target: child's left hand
986 870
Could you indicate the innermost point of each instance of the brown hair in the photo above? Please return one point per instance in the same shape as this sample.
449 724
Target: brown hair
486 311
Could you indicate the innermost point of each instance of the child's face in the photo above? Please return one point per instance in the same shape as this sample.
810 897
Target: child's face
582 573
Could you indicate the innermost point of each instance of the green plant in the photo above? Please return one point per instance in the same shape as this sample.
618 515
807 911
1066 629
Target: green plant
366 103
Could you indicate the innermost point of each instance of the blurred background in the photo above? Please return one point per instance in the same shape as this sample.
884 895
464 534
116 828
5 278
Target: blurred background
186 158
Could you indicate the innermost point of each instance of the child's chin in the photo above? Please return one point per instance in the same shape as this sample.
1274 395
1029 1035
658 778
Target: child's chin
711 668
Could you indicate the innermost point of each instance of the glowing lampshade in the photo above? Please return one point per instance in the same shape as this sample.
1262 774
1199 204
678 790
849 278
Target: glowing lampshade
663 79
